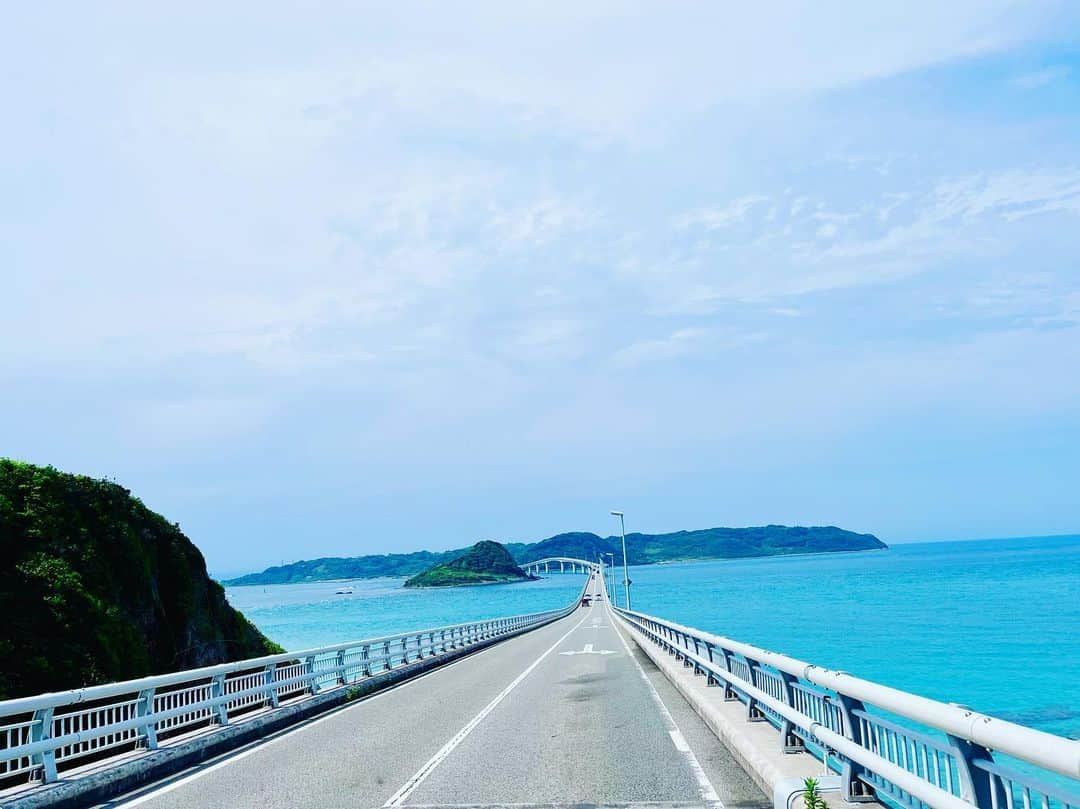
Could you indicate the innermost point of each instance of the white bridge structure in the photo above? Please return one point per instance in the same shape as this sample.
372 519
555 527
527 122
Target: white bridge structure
547 565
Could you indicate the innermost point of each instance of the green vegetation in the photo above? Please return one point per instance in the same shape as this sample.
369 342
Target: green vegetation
811 795
358 567
95 587
642 549
484 563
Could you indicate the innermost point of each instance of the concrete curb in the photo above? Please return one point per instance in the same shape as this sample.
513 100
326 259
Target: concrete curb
755 745
99 787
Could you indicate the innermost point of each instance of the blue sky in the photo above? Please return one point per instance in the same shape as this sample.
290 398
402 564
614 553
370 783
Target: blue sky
336 278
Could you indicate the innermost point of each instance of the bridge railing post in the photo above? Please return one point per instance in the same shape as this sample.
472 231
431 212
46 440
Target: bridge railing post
790 742
269 685
386 658
986 792
217 691
40 731
710 678
145 707
753 710
853 788
342 676
309 671
729 692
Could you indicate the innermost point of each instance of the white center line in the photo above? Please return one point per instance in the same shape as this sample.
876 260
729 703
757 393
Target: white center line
708 792
399 797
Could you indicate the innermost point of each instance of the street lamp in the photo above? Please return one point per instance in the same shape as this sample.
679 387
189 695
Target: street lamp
626 572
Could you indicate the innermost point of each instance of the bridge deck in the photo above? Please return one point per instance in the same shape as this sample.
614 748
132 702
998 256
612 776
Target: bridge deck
569 713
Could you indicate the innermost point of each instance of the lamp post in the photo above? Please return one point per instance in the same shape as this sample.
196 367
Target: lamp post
626 572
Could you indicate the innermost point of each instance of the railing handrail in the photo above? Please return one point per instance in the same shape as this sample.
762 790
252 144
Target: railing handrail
74 696
1037 747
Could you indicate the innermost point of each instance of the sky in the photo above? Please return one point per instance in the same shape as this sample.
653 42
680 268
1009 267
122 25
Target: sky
341 278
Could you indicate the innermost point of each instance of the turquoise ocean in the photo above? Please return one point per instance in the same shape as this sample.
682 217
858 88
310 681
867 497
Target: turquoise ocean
991 624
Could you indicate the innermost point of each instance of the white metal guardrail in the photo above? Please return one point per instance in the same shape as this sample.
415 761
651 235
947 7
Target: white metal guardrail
42 735
886 744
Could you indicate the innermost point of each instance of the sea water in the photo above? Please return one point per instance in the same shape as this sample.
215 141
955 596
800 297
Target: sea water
994 625
303 616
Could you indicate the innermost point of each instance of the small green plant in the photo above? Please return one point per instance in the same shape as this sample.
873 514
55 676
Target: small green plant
812 796
352 694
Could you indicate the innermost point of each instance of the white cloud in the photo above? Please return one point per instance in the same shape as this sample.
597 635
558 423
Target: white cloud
684 342
716 218
541 222
1040 78
1010 195
900 234
546 340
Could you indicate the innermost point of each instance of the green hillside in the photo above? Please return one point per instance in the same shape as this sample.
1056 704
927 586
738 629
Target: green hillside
484 563
642 549
95 587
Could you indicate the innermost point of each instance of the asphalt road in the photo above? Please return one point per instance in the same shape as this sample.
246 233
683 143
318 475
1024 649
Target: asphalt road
570 713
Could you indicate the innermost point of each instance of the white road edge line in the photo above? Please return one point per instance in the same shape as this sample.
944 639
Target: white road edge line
399 797
679 741
708 792
231 757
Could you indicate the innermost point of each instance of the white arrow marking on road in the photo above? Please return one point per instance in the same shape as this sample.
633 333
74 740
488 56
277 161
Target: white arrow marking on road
588 650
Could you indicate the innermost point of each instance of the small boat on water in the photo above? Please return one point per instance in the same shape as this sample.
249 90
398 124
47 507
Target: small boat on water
343 591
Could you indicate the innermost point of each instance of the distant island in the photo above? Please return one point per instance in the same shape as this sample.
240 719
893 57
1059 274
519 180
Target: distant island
484 563
96 587
642 549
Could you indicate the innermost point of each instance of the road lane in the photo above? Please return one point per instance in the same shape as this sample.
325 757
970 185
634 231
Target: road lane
361 755
569 713
582 728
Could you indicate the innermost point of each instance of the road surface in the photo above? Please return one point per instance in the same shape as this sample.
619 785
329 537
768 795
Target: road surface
570 713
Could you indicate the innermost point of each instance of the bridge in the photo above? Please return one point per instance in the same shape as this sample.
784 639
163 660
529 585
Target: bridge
584 704
547 565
